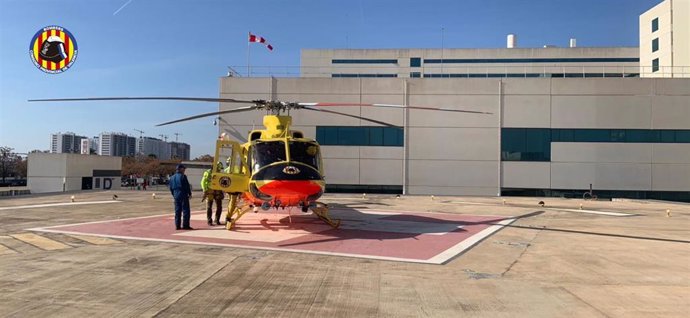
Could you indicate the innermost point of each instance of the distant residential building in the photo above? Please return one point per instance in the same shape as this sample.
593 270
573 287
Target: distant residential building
153 146
67 142
116 144
179 150
665 40
93 144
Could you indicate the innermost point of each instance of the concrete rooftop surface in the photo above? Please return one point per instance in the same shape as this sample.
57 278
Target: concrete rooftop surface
414 256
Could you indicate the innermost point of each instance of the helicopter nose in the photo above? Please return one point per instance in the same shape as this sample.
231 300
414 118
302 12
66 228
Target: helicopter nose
287 171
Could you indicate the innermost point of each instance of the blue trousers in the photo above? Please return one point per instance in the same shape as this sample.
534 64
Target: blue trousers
182 211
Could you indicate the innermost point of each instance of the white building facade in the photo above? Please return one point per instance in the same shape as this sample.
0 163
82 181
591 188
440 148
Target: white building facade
67 142
557 62
116 144
49 172
627 137
153 146
665 40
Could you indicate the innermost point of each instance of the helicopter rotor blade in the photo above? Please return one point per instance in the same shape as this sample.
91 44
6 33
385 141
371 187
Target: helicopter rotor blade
396 106
188 99
352 116
236 110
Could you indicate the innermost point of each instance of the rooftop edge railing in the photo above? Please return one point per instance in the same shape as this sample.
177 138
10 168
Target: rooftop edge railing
460 71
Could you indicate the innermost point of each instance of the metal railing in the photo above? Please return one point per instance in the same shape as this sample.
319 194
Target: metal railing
450 70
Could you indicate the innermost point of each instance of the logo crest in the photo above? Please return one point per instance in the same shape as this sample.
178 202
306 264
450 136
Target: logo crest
224 182
290 170
53 49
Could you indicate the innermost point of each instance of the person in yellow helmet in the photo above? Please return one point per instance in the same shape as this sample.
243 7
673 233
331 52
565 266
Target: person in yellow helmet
212 195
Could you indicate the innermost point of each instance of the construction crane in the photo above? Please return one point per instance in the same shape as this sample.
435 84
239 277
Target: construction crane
165 137
141 133
176 136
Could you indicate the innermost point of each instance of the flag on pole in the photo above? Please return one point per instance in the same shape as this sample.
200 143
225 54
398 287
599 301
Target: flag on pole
258 39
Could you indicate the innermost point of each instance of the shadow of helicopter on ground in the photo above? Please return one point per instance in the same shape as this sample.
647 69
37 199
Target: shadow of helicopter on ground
383 225
379 226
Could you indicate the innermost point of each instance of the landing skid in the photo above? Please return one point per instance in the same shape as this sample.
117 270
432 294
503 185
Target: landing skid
236 211
321 211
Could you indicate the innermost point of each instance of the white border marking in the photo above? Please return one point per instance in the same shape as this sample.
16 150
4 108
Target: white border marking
595 212
55 204
439 259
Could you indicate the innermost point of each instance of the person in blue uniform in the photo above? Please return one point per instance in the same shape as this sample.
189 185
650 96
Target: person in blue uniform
181 191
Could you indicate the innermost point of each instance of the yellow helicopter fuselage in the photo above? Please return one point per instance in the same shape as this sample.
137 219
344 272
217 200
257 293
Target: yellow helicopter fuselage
276 167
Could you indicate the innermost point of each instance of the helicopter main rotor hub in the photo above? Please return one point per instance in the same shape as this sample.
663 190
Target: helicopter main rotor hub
276 107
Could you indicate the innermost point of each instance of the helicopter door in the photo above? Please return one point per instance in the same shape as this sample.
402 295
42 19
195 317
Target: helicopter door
230 171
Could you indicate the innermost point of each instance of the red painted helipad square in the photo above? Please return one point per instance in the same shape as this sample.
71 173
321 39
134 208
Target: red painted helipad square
399 236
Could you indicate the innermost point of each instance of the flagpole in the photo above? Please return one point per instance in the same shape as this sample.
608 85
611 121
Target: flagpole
248 69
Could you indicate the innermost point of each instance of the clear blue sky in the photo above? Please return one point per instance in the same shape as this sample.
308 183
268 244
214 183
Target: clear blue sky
181 48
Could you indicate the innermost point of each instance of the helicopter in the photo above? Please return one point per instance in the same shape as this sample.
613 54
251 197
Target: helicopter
277 167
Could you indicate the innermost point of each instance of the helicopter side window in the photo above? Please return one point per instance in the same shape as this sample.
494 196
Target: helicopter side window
268 152
304 152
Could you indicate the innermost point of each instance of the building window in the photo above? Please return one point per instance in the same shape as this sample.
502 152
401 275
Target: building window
526 144
534 144
655 65
363 75
655 24
359 136
655 45
536 60
415 61
364 61
415 74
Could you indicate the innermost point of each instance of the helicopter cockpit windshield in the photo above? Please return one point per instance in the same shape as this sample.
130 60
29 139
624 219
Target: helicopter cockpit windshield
267 152
304 152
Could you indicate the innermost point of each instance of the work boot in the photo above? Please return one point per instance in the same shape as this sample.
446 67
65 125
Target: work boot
218 222
210 223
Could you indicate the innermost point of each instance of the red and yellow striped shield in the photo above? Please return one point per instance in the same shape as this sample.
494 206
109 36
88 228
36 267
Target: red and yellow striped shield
53 49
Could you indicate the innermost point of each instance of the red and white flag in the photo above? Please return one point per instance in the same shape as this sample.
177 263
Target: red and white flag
258 39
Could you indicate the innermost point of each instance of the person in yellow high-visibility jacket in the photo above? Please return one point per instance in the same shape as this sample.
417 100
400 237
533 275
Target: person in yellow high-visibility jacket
210 196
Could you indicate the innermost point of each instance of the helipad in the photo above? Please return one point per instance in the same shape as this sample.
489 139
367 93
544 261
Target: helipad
397 236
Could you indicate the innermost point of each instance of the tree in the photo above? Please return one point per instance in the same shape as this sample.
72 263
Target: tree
22 167
204 158
8 162
145 166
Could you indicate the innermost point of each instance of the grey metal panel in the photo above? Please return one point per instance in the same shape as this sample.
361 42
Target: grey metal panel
381 171
674 86
470 191
339 152
601 152
603 176
535 175
671 177
453 143
342 171
381 152
671 112
601 86
459 86
671 153
483 103
633 112
526 86
528 111
446 173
